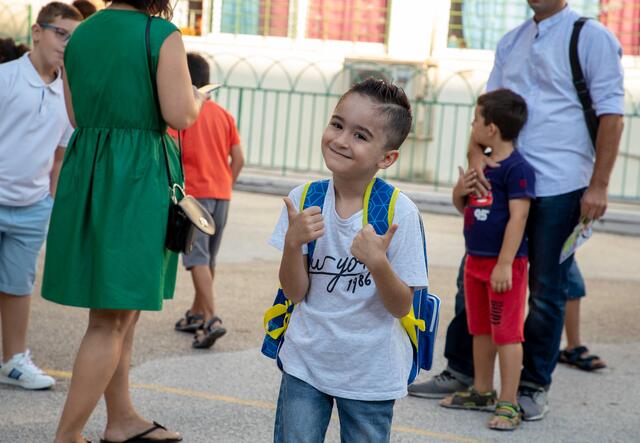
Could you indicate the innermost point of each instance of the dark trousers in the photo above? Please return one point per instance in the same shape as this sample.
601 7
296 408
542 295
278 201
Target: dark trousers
551 220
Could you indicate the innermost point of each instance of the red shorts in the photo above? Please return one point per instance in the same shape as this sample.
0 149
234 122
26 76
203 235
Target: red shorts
500 315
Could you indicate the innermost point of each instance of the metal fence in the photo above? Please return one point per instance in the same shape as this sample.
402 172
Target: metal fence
282 107
15 22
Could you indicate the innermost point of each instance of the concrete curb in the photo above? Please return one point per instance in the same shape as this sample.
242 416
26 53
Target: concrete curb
618 220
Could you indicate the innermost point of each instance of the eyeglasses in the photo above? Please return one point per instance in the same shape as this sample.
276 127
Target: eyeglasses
61 33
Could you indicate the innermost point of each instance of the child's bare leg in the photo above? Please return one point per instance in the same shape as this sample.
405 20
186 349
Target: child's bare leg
95 365
510 358
572 323
14 312
202 276
122 419
484 357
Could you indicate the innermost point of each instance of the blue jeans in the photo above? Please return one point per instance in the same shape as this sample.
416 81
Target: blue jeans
303 415
551 220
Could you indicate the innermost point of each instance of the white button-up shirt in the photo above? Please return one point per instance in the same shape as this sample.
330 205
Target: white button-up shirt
533 60
33 123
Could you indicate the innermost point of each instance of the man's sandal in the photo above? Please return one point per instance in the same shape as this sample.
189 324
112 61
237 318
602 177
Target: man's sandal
190 322
207 335
141 437
580 358
506 417
470 399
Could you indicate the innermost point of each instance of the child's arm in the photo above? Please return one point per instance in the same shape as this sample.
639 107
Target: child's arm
304 227
371 249
237 161
501 274
466 184
58 156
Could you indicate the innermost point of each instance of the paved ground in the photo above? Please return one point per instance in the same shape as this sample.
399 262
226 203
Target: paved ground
227 394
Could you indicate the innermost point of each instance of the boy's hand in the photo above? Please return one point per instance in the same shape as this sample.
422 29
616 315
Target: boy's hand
371 248
501 277
467 182
305 226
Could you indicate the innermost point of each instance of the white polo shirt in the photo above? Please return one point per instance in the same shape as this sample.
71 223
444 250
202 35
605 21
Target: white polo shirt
33 123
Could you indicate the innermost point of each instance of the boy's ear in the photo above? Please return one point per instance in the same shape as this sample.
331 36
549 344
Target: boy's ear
389 158
493 130
36 30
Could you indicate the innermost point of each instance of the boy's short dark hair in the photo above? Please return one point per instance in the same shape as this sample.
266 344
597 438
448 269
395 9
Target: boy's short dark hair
10 50
198 69
85 7
162 8
50 11
505 109
394 105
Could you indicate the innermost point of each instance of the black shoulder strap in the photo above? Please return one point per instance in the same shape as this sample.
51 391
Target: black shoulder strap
580 83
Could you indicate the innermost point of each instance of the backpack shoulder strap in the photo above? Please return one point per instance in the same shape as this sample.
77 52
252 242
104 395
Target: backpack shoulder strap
313 194
379 205
579 81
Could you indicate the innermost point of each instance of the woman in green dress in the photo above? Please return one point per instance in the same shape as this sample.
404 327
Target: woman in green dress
105 249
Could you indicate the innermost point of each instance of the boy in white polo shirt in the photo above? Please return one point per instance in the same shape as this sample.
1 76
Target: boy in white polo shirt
35 129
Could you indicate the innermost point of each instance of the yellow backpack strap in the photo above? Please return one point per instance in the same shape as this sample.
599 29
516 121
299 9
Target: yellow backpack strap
305 190
273 312
409 323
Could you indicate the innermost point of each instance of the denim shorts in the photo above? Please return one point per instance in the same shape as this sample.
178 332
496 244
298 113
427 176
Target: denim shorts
576 283
22 232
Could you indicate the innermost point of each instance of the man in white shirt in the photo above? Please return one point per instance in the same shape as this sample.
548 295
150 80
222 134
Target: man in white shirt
571 180
35 130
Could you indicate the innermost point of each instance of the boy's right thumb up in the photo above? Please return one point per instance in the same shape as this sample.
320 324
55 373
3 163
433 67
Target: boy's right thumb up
291 209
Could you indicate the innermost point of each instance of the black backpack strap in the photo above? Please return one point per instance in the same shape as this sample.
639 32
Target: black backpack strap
580 83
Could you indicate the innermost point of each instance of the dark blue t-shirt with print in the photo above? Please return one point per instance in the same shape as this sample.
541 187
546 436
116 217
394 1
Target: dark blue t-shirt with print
485 218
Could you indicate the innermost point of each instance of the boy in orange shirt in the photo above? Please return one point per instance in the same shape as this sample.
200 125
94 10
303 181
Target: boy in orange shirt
212 158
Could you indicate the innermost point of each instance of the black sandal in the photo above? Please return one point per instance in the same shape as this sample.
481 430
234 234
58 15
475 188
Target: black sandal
190 322
580 358
140 438
210 334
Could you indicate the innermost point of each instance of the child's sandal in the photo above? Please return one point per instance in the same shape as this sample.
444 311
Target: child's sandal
506 417
470 399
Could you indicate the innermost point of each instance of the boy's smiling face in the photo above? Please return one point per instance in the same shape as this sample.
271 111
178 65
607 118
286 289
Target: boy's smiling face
354 142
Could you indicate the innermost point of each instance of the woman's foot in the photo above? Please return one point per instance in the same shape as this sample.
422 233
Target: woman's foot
123 431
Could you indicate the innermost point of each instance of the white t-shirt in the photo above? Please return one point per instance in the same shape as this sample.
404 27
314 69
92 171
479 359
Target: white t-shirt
341 339
33 123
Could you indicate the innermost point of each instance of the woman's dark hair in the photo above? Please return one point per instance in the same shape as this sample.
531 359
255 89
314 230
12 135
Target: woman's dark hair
85 7
162 8
393 105
505 109
10 50
198 69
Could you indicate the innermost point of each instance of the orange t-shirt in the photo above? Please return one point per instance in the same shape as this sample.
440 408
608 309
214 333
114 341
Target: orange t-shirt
206 146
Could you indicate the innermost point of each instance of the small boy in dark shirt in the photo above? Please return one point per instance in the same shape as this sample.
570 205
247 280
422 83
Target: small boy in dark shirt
495 274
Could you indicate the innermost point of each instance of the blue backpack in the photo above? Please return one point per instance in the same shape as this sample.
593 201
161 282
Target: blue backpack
421 323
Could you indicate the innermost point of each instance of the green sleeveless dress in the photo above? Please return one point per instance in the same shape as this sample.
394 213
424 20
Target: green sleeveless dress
105 247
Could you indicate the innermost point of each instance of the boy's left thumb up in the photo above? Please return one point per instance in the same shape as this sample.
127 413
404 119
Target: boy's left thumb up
389 235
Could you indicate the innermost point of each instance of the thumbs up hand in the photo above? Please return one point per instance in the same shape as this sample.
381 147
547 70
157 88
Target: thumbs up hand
371 248
304 226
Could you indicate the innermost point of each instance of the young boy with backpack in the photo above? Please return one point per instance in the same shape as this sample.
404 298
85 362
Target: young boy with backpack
344 341
495 273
